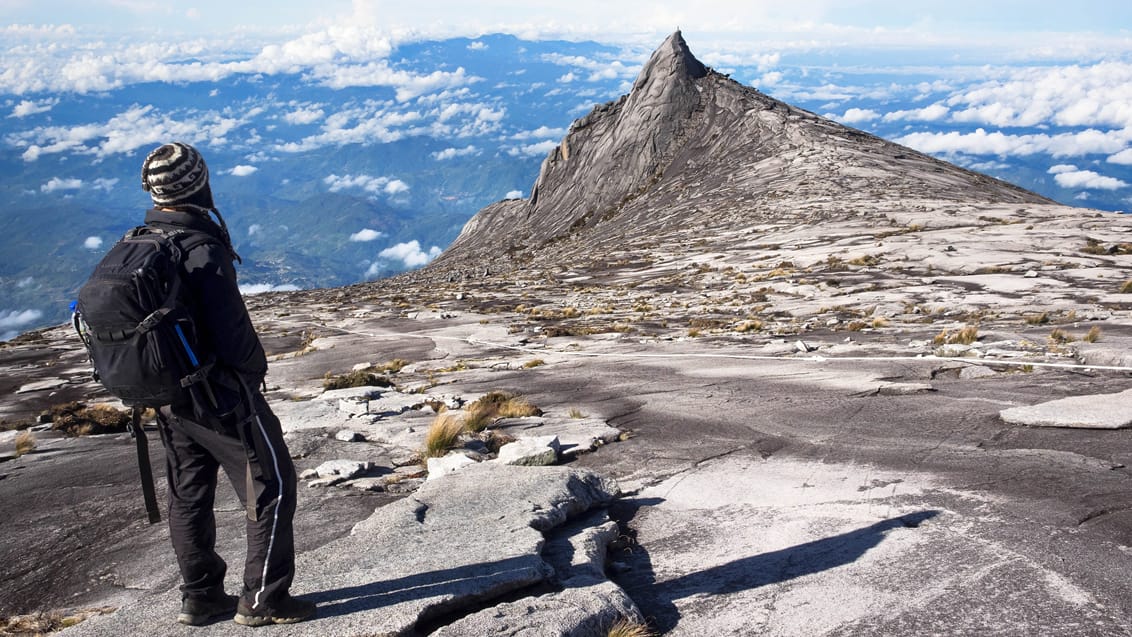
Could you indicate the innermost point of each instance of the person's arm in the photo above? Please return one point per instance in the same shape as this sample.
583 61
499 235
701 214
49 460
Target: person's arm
225 324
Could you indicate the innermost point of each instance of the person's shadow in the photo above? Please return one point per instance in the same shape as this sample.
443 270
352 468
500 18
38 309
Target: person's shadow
657 599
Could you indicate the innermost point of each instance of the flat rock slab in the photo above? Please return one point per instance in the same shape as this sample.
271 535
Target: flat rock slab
575 435
454 544
1104 411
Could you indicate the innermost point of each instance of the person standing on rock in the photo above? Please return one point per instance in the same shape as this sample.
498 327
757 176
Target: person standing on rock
233 429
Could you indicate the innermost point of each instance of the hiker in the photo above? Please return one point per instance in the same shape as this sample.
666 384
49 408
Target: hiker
229 425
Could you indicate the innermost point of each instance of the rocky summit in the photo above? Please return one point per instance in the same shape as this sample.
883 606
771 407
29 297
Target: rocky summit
731 369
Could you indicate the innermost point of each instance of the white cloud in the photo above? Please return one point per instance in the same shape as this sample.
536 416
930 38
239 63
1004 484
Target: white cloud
13 321
542 132
242 170
254 229
33 107
304 116
25 282
533 150
260 288
857 115
477 46
104 184
1095 95
567 78
134 128
1124 157
1068 176
367 183
410 254
980 142
513 194
92 243
10 319
450 153
57 183
366 234
932 113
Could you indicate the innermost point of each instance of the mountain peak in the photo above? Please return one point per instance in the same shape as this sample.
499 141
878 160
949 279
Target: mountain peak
672 58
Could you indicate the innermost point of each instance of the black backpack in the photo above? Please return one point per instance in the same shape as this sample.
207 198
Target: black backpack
131 315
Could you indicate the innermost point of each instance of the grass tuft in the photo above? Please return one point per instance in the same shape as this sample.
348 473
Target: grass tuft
537 362
1093 336
630 628
577 414
77 419
1037 319
494 405
25 442
965 336
357 378
442 434
1060 336
1126 287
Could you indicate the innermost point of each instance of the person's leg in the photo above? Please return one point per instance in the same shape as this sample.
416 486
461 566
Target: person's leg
270 564
191 473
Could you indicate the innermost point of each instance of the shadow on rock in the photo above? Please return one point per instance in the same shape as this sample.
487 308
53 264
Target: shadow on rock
657 599
460 584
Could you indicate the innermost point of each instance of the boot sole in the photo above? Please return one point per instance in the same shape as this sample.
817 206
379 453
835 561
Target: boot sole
260 620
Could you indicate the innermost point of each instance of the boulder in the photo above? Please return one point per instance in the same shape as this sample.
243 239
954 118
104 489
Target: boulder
451 463
537 451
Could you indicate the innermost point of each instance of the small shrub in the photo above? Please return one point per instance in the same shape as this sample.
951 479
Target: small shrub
864 260
1093 336
25 442
442 435
537 362
1060 336
357 378
1037 319
751 325
965 336
576 413
880 322
391 367
693 333
76 419
494 405
1092 246
856 326
630 628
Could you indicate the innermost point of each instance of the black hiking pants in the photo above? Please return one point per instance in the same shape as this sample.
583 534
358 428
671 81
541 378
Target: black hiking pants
264 478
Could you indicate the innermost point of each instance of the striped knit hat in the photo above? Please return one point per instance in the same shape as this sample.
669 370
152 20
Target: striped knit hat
175 175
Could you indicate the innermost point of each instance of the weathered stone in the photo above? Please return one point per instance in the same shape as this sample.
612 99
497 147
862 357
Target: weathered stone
344 469
43 385
451 463
348 435
1105 411
538 451
575 435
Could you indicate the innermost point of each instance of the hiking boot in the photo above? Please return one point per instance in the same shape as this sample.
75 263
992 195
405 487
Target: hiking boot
196 611
285 610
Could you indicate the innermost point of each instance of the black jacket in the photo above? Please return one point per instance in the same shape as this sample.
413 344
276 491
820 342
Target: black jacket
214 297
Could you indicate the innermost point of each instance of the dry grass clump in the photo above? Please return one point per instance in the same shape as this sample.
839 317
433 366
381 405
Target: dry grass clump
1126 287
576 414
864 260
751 325
1060 336
536 362
1036 319
856 326
494 405
880 322
39 624
693 333
629 628
77 419
964 336
358 378
1093 336
442 434
25 442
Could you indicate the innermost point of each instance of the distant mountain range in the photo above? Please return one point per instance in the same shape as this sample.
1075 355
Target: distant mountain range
327 182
